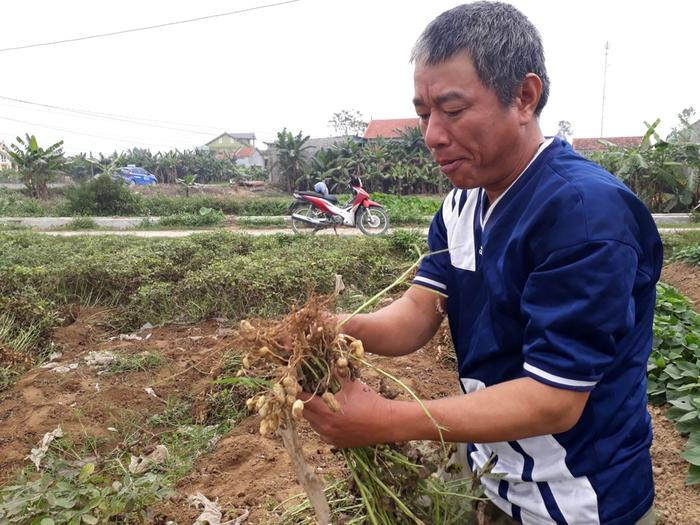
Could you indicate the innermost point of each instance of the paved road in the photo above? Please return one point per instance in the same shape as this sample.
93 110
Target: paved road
256 232
185 233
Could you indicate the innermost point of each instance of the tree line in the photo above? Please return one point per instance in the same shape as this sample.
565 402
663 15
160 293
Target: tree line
663 172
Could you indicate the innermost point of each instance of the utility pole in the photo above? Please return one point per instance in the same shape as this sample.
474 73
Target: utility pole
605 78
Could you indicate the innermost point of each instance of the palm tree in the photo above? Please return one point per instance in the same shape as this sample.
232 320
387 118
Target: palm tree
37 165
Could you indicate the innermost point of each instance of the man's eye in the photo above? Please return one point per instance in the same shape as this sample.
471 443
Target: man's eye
453 113
424 117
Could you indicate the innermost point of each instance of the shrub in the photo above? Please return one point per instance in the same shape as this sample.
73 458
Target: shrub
162 205
82 223
102 196
16 205
204 217
9 175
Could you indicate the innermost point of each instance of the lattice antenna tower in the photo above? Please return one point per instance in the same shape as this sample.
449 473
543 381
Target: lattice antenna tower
605 79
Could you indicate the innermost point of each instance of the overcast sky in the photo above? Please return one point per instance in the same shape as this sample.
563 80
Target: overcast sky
294 65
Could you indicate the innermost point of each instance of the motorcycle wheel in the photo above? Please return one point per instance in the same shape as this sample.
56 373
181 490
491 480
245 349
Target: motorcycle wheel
307 210
373 221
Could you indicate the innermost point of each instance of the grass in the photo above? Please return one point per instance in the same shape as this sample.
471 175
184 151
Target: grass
142 362
176 413
14 227
82 223
79 223
681 225
679 240
261 222
8 376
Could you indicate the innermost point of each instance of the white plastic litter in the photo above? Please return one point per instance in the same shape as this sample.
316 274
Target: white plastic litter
65 368
130 337
152 393
99 358
211 512
38 453
223 332
141 464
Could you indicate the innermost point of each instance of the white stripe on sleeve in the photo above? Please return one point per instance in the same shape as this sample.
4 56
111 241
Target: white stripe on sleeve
557 379
425 280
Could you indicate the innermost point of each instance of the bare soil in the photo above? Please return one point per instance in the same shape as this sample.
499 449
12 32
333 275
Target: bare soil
244 471
686 278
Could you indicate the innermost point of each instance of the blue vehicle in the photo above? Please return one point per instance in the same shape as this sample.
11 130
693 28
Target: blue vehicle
134 175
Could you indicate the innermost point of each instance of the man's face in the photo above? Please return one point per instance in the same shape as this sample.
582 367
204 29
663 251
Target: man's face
471 135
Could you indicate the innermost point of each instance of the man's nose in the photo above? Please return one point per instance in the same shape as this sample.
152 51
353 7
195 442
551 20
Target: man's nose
434 132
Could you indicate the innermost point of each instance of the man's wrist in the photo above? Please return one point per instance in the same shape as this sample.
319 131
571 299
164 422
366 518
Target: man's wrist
408 420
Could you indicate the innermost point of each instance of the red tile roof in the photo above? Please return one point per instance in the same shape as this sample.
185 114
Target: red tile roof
387 128
594 144
245 151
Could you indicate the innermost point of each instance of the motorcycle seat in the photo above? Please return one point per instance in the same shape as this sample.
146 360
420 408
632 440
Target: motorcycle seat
329 198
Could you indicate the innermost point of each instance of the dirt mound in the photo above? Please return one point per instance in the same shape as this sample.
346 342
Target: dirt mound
686 278
86 402
213 190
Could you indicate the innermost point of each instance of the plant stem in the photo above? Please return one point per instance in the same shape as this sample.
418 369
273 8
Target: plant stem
309 480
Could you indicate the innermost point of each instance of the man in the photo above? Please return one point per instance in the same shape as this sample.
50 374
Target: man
549 287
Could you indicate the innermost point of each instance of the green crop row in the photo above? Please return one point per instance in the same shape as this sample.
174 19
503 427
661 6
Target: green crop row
202 276
673 369
688 254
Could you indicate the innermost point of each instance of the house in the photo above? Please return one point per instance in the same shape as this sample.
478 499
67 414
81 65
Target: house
586 146
694 135
227 144
5 162
238 146
249 156
389 128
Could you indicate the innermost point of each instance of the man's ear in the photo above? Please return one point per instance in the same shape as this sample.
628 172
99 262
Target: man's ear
528 96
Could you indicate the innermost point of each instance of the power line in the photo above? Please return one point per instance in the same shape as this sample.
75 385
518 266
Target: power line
120 118
125 140
146 28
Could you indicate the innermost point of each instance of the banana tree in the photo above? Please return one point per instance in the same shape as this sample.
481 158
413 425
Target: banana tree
188 182
290 149
36 165
662 174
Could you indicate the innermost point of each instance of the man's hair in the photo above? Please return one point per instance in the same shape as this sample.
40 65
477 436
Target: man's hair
502 43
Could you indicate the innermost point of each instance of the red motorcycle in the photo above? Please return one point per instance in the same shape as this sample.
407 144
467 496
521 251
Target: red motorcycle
313 211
